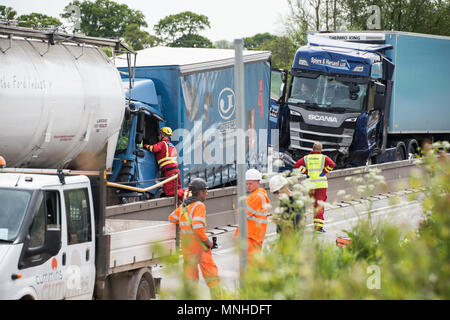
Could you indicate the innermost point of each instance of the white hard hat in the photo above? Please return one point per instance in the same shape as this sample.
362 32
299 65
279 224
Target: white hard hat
253 174
277 182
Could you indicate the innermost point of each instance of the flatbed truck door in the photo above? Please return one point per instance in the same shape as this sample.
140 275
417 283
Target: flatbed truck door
80 255
42 271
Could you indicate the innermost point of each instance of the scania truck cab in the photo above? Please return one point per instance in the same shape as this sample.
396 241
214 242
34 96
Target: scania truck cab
345 93
336 96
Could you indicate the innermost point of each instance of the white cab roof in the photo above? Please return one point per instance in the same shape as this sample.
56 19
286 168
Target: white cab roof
36 181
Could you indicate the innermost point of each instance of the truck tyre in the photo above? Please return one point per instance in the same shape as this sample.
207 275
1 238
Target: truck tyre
133 285
400 151
143 286
143 291
412 148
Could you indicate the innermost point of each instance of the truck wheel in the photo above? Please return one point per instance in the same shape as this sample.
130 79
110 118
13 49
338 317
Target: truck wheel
143 291
400 151
143 287
133 285
412 147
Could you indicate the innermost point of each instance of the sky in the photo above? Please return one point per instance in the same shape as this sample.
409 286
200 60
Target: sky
229 19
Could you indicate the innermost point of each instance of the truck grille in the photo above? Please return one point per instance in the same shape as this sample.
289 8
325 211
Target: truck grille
303 136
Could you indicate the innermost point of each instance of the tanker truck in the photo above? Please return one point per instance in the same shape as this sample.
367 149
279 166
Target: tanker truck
368 97
62 105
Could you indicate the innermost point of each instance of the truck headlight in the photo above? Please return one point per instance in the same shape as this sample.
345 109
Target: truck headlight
295 113
351 120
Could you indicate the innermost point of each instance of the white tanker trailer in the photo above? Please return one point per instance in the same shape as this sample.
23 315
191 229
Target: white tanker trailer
61 104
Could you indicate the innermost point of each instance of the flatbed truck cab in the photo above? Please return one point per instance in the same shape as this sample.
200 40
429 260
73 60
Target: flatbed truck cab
47 237
57 243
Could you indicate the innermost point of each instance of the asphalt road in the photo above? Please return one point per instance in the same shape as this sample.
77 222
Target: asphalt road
403 212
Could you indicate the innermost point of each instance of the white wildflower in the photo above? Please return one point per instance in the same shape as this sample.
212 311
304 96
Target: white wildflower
361 189
284 197
300 203
446 145
278 163
278 210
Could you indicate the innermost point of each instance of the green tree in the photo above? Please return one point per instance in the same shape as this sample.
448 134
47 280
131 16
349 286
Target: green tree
283 51
139 39
421 16
224 44
192 41
182 29
7 13
255 42
38 20
106 18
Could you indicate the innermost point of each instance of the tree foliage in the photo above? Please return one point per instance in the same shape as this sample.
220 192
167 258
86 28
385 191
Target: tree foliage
139 39
106 18
181 30
255 42
224 44
7 13
38 20
283 51
192 41
421 16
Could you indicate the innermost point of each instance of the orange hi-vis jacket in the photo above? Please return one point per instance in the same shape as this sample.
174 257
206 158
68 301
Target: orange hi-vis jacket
257 212
192 222
165 153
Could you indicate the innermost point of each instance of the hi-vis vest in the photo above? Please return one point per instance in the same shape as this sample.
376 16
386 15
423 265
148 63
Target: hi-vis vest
257 212
168 155
315 163
190 219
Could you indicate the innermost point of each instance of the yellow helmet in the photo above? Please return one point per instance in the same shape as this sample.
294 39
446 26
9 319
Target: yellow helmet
166 130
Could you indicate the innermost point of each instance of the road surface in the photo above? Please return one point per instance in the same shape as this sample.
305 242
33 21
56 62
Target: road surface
405 213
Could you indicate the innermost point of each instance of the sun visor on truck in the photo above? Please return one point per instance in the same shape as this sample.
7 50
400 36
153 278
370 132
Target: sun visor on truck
348 62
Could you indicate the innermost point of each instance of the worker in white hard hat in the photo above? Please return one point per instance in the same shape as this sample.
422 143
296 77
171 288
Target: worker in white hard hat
257 212
289 219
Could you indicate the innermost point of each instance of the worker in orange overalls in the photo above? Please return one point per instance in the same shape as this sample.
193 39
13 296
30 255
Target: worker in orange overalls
257 212
166 156
316 166
195 245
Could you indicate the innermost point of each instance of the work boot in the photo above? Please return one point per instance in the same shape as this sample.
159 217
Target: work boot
321 230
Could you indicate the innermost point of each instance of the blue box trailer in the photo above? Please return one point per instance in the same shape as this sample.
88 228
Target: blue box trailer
368 97
420 102
195 89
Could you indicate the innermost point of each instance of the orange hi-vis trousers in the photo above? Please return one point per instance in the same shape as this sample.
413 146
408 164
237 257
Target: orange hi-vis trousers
208 267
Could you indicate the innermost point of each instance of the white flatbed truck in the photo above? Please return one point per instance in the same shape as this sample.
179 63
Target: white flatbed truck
55 242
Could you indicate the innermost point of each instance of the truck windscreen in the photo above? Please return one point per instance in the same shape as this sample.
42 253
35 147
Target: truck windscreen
13 205
328 92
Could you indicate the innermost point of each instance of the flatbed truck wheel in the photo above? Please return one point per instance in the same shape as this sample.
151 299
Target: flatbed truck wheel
133 285
143 291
